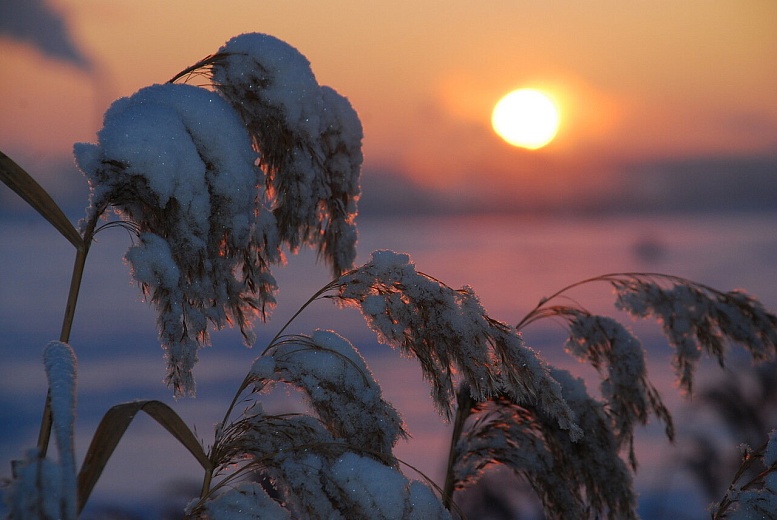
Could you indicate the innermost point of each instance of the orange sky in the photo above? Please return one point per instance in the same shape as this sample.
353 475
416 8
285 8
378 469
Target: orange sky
635 80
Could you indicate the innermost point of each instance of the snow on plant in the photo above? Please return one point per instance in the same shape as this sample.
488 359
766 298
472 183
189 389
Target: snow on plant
309 136
339 388
243 501
757 497
177 163
338 385
348 441
43 488
625 389
181 164
574 479
698 319
316 469
449 332
216 183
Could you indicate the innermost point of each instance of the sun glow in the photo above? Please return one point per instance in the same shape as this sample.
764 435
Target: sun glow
527 118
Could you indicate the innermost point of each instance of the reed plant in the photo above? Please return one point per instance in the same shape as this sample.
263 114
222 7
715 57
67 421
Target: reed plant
217 182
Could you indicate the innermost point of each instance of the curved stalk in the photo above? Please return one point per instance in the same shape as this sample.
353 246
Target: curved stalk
247 380
536 312
82 251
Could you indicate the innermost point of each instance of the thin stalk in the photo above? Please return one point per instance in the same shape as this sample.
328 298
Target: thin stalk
205 62
206 484
464 407
82 251
535 313
328 287
247 380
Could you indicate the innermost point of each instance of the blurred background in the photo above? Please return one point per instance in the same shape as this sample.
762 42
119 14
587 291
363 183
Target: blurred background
665 160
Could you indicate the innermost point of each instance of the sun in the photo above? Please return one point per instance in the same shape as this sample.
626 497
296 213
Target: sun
527 118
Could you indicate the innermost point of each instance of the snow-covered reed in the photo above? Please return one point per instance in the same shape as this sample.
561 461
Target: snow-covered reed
218 182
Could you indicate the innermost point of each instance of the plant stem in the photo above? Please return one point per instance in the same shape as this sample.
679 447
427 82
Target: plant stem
206 481
45 427
247 379
67 324
536 312
464 407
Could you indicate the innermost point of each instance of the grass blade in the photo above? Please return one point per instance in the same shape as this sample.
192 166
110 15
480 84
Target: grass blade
16 178
111 429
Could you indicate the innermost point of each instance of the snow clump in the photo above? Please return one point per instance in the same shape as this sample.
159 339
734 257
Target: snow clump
176 162
216 182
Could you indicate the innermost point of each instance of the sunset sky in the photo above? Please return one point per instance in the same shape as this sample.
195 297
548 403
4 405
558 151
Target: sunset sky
636 82
665 105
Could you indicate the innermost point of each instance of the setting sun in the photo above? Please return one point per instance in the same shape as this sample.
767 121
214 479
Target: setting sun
526 118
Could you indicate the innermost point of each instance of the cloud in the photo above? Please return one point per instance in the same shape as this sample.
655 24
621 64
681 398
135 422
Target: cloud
36 23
